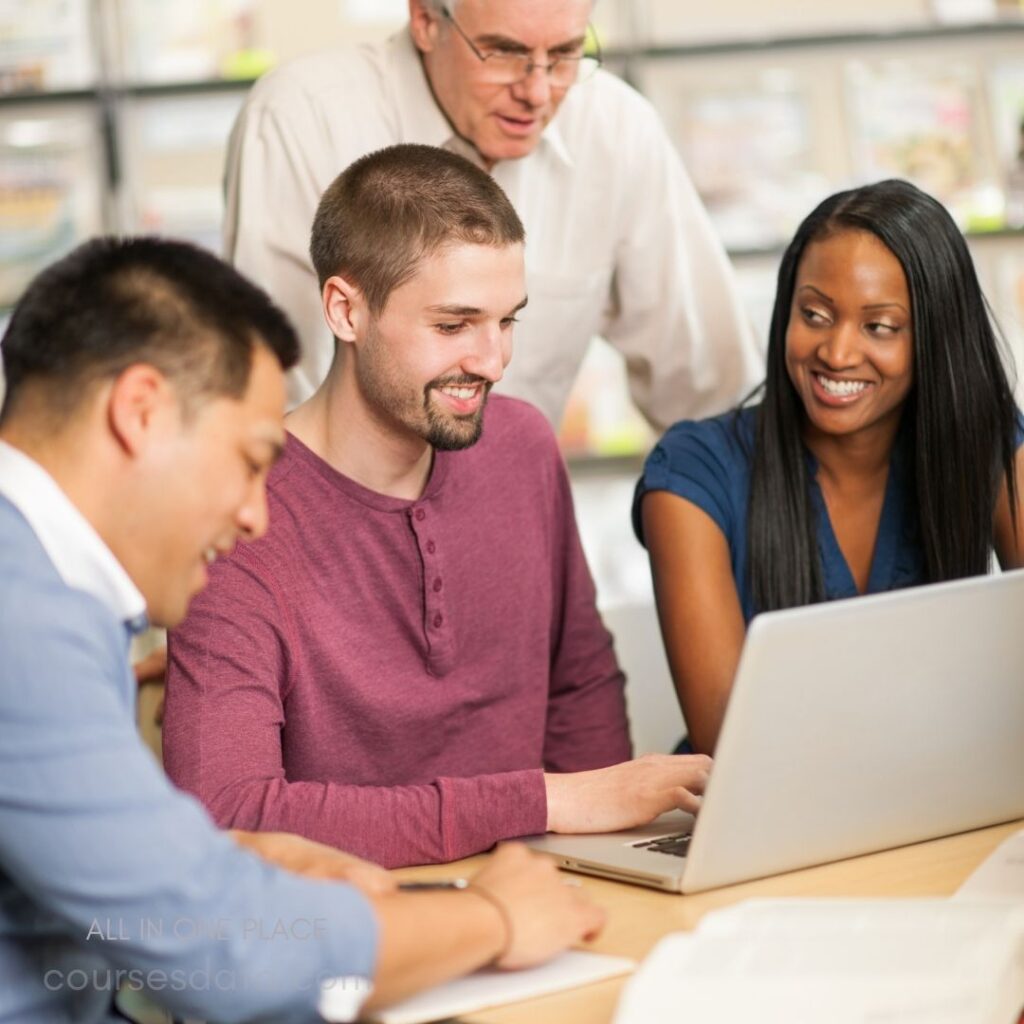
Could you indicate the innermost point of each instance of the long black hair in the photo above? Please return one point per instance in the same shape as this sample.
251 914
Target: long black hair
960 418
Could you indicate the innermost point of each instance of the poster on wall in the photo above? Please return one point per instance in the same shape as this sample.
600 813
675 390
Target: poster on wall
748 152
1008 305
1006 101
45 45
921 122
165 134
193 40
49 194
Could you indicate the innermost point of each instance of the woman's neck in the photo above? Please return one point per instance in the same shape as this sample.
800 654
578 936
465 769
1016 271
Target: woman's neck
853 459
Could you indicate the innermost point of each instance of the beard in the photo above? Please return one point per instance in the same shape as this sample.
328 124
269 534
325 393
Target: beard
397 402
449 433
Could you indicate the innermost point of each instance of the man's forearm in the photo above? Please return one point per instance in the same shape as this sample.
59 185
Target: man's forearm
393 826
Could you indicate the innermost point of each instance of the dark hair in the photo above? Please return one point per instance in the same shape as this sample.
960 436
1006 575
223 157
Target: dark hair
387 211
959 421
113 302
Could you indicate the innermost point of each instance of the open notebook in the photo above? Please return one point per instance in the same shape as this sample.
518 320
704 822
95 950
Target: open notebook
840 961
493 988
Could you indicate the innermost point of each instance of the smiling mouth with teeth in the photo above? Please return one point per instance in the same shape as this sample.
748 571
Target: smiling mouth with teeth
840 388
460 392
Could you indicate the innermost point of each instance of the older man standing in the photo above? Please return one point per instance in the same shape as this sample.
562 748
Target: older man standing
619 242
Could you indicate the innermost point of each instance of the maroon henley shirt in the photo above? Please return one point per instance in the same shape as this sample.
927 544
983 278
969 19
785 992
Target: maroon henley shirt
392 677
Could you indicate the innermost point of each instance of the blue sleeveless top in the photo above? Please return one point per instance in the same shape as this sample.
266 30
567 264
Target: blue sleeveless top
707 462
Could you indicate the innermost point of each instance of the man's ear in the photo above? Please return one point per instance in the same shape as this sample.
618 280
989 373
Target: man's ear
138 400
344 308
423 24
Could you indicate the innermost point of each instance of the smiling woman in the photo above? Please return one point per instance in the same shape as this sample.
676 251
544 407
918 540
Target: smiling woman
849 340
884 452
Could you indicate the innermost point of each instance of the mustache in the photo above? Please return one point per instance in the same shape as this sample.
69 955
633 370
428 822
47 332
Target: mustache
458 380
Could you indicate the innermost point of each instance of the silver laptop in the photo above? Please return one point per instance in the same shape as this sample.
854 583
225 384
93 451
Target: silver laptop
853 726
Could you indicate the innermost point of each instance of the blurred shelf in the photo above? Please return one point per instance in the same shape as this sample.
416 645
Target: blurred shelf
1001 234
758 43
584 464
617 56
209 85
137 89
12 99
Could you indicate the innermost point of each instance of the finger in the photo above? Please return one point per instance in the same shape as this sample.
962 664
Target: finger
366 877
664 800
685 800
593 922
374 881
514 853
696 781
700 762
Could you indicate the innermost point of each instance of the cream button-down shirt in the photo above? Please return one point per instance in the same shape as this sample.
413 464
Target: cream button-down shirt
617 241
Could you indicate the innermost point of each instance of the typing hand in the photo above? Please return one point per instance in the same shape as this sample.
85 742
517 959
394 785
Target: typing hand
543 915
626 795
315 860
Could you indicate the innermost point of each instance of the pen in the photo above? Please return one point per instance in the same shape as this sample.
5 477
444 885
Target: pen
446 883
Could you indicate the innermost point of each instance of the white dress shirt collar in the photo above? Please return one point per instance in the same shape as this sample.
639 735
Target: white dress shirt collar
422 119
68 538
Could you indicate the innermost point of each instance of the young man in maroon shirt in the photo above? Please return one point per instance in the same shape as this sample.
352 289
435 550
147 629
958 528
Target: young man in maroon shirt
410 665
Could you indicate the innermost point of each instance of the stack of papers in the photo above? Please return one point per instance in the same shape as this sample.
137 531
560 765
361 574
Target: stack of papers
841 961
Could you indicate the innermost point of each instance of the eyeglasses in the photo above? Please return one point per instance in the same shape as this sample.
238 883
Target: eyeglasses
507 67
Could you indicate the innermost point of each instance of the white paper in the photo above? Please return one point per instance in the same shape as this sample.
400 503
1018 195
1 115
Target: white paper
1000 875
493 988
841 961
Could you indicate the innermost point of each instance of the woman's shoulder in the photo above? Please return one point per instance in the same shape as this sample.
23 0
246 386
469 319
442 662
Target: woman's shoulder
706 462
721 444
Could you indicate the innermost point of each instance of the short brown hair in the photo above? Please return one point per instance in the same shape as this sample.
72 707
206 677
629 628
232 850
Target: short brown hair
392 208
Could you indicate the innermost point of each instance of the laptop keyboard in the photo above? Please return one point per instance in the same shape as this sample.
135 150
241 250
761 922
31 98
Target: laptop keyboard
674 846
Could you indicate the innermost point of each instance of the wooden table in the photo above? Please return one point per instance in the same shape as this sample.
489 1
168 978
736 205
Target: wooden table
638 917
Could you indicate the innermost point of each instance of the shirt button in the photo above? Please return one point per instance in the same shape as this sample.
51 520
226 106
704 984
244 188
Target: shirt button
420 515
438 620
437 584
431 547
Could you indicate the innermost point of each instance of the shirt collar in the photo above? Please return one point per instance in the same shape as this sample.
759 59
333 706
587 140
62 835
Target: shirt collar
423 121
68 538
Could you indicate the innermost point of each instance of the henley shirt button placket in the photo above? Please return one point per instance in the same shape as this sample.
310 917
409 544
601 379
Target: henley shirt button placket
438 619
433 584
